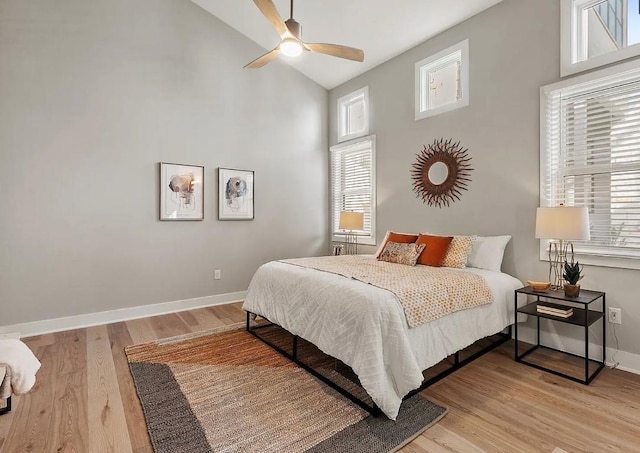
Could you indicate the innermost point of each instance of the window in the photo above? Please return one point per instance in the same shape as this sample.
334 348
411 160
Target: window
353 186
598 32
442 81
611 17
353 115
591 157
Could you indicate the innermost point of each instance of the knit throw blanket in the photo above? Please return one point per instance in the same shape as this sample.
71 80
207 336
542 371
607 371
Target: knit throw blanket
425 293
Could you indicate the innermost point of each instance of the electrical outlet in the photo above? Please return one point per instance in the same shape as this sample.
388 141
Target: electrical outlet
615 315
217 274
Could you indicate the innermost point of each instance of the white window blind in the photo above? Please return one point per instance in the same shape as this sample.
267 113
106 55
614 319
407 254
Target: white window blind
353 186
591 157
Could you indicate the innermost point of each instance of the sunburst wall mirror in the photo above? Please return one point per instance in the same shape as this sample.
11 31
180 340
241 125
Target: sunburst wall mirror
441 171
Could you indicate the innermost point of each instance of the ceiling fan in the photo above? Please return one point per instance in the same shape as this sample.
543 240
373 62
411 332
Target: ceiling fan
292 44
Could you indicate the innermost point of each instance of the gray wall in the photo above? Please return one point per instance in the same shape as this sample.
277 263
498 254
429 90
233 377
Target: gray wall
514 50
92 96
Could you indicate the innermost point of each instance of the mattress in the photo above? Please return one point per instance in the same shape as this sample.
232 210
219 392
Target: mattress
365 327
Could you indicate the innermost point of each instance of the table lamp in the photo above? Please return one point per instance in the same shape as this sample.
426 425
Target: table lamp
561 224
350 221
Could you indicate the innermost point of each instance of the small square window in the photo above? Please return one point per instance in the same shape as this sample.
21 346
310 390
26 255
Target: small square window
353 115
442 81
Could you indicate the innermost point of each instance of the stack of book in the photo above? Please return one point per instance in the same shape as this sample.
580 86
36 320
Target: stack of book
560 312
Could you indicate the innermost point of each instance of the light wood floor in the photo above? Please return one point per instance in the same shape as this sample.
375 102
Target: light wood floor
85 400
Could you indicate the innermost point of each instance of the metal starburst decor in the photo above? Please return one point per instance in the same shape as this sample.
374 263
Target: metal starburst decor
458 173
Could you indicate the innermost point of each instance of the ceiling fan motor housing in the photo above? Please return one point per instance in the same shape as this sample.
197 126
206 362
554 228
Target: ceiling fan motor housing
294 28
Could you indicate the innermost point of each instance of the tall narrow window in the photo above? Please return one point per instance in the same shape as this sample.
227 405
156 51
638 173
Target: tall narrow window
442 81
591 156
353 186
353 115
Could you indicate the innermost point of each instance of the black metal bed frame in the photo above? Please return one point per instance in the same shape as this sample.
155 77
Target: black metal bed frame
373 409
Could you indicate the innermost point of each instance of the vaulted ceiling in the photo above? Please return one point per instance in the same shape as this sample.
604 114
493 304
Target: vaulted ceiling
382 28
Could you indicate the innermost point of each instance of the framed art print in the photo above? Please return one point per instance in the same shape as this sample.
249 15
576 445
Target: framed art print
235 194
181 192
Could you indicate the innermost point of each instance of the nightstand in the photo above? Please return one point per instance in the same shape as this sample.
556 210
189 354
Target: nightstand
583 316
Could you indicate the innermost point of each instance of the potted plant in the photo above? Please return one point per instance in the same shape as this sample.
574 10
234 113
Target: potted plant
572 275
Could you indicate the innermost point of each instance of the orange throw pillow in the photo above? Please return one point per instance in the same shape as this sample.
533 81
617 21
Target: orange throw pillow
400 238
435 249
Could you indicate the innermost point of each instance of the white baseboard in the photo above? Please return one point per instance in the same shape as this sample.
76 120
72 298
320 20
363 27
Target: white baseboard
29 329
622 360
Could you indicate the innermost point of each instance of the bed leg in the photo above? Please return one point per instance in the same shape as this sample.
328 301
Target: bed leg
7 407
248 322
456 359
295 347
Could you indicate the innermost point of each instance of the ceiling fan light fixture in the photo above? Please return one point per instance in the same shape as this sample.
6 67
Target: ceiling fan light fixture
292 44
290 47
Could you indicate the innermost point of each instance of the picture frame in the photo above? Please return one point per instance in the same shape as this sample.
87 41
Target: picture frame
235 194
181 191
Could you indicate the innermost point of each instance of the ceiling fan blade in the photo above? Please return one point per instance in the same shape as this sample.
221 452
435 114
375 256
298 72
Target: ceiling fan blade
269 11
264 59
336 50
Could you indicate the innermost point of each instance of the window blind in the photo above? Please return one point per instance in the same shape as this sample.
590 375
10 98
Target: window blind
592 159
352 185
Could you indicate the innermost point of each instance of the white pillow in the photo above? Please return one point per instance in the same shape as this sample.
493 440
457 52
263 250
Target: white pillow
487 252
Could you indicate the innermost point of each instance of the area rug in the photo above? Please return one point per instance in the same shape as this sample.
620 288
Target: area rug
229 392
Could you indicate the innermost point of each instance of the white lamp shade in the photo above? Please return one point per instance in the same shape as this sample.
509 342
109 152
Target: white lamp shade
350 220
563 222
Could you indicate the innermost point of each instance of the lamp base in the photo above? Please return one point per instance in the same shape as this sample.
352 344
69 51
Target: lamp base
558 253
350 244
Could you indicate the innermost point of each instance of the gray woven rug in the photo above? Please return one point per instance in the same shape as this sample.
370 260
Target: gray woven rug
230 392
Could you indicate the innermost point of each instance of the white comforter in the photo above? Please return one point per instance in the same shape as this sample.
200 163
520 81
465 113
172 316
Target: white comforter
365 326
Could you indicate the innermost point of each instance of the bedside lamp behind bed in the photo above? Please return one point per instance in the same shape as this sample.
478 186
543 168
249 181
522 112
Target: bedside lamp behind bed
350 221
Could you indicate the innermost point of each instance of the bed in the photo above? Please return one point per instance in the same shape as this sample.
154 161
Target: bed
365 327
